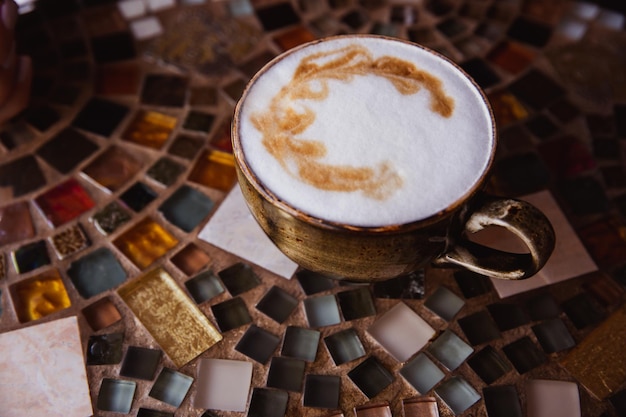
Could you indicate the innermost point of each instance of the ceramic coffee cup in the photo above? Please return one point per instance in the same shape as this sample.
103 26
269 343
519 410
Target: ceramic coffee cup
279 165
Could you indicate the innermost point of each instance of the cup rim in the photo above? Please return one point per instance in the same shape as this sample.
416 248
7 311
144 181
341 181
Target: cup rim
272 198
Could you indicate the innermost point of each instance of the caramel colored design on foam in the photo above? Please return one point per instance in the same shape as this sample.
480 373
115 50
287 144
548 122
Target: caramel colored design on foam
280 123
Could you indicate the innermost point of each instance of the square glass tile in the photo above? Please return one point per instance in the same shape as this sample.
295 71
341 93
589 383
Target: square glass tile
450 350
524 354
116 395
583 311
458 394
113 47
64 202
314 282
286 374
191 259
277 304
422 373
165 171
371 377
502 401
113 168
203 96
507 316
215 169
553 335
489 365
138 196
322 311
356 303
164 90
231 314
223 384
100 116
110 218
479 328
530 32
444 303
321 391
171 387
145 242
141 363
186 146
16 223
344 346
540 395
277 16
31 256
69 241
239 278
96 272
105 349
409 286
268 402
119 79
543 307
204 286
186 208
150 128
199 121
101 314
41 117
39 296
537 89
258 344
66 150
300 343
421 406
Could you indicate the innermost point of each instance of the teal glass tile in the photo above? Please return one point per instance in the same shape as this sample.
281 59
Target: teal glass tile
458 394
300 343
31 256
422 373
444 303
344 346
277 304
186 208
116 395
204 286
96 272
171 387
322 311
105 349
450 350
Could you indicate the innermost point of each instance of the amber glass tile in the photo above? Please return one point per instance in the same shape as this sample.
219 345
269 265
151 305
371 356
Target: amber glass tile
110 218
118 79
191 259
66 150
215 169
294 37
145 242
11 175
506 108
16 223
221 137
64 202
69 241
101 314
150 128
113 168
39 296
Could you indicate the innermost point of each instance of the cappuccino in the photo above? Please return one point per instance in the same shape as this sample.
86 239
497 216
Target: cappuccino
365 131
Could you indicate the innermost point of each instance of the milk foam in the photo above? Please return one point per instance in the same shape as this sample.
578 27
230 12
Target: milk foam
365 122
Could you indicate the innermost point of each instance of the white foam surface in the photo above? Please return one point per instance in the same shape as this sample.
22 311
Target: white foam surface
366 122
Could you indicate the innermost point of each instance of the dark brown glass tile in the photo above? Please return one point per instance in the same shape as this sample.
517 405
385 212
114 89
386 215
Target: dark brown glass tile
138 196
553 336
300 343
521 174
42 117
584 195
604 289
105 349
266 402
191 259
583 311
604 242
356 304
101 314
11 175
489 365
16 223
541 126
277 304
118 79
113 168
529 31
313 282
258 344
203 96
113 48
481 72
204 286
164 90
277 16
286 374
141 363
537 89
524 355
186 146
472 284
567 157
321 391
231 314
507 316
165 171
502 401
199 121
100 116
479 328
542 307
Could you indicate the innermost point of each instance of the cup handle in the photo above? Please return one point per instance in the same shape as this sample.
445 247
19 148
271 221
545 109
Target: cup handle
520 218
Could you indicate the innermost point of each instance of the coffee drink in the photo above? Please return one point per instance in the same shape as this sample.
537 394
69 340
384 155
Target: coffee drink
366 131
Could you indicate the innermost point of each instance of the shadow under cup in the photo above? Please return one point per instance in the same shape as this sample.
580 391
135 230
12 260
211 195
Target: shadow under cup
373 253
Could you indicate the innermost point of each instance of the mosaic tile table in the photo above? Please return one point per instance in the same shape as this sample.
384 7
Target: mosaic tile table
133 281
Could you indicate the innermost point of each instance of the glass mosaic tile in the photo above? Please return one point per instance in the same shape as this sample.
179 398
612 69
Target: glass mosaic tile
147 412
422 373
537 89
239 278
300 343
138 196
150 128
521 174
604 242
39 296
277 16
542 392
452 27
511 56
605 290
164 90
458 394
450 350
421 406
231 314
472 284
567 157
444 303
322 311
66 150
507 316
15 135
146 28
344 346
42 117
113 168
223 384
583 311
489 365
191 259
186 208
321 391
401 331
110 218
606 148
618 401
267 402
530 32
502 400
69 241
584 195
294 37
203 96
16 223
171 387
355 19
542 126
113 48
252 66
409 286
371 377
373 410
118 79
220 138
116 395
173 320
141 363
507 108
479 328
64 202
204 286
215 169
553 336
31 256
105 349
258 344
235 89
101 314
314 282
10 175
542 307
198 121
186 146
96 272
100 116
524 354
286 374
145 242
277 304
356 303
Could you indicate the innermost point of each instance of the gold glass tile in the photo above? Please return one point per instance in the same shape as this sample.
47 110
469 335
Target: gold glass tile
39 296
172 318
506 108
215 169
69 241
598 362
145 242
150 128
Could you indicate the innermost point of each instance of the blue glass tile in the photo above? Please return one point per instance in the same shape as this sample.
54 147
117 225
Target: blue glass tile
204 286
31 256
138 196
171 387
96 272
186 208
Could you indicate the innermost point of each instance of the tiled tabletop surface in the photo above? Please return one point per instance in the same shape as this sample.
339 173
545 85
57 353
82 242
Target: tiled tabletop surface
123 283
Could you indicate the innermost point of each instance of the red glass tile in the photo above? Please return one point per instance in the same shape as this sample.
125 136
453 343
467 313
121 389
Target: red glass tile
64 202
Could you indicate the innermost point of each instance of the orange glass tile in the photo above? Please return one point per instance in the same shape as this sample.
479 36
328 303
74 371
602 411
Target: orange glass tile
118 79
39 296
145 242
191 259
103 313
150 128
506 108
294 37
215 169
113 168
512 57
